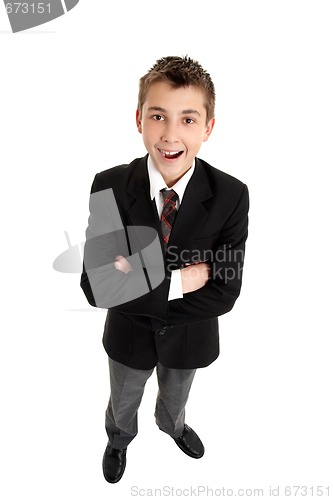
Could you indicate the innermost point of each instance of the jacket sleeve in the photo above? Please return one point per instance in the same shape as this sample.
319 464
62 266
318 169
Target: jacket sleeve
219 295
107 238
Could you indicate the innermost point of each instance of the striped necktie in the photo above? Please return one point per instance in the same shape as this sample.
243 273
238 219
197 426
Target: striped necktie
169 213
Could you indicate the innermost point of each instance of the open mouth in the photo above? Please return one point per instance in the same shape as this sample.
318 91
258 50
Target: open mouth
171 155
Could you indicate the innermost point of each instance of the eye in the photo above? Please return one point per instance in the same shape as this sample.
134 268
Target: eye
158 118
189 120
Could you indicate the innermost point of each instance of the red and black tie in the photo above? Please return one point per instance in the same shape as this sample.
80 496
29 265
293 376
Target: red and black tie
169 213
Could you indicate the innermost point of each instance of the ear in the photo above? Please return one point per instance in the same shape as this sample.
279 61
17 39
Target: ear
209 128
138 121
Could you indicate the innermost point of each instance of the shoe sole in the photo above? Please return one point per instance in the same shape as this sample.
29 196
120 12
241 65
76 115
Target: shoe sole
188 454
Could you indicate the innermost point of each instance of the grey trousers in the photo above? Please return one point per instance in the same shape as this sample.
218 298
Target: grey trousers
127 387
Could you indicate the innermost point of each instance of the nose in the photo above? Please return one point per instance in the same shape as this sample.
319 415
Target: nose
170 133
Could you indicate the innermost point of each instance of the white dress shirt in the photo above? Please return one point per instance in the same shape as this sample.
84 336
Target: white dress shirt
157 183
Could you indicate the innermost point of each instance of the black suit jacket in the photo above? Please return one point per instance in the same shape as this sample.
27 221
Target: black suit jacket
211 225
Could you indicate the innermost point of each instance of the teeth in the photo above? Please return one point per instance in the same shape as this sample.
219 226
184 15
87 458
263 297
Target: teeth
169 153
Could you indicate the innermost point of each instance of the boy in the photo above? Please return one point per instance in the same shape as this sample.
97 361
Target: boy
201 216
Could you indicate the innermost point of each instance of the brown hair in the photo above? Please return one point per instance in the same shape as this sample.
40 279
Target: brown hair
179 72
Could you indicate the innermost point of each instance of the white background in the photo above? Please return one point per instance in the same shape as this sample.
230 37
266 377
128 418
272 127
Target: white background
68 99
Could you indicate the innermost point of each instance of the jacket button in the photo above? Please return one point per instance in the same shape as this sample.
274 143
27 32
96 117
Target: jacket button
162 331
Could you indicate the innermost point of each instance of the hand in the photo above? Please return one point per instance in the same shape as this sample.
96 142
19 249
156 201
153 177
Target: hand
195 276
122 264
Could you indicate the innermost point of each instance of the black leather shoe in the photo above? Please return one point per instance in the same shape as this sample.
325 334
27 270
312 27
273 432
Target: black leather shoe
190 443
114 463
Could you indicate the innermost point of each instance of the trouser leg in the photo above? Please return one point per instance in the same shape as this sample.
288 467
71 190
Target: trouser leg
174 387
127 387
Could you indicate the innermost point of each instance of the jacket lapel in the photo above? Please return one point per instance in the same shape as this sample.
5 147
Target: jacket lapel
192 213
142 210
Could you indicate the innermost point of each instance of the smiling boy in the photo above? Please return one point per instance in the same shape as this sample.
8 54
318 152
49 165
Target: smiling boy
199 212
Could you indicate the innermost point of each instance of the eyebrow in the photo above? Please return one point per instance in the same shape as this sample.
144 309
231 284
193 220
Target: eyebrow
184 112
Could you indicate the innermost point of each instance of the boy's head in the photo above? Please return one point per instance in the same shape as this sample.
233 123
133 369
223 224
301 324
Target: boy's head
179 72
175 114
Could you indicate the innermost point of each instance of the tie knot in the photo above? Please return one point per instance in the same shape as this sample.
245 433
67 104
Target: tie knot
169 195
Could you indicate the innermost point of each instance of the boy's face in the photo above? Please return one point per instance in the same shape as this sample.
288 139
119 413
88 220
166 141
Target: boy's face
173 126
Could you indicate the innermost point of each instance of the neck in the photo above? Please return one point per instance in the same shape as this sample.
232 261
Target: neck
171 181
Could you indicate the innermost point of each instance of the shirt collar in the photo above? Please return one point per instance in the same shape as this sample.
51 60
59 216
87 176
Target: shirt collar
157 182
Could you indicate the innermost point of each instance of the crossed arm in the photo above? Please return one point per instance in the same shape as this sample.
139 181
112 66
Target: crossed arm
193 277
209 288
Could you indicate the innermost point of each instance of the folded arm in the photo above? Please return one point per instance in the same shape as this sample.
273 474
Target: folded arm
219 292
